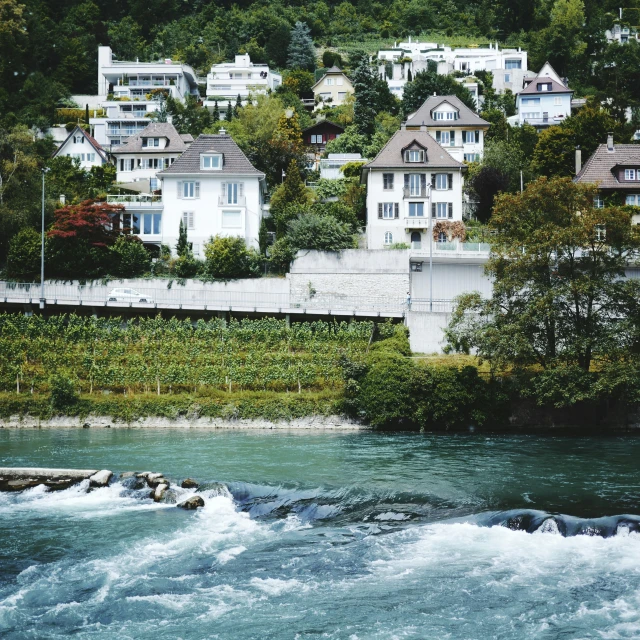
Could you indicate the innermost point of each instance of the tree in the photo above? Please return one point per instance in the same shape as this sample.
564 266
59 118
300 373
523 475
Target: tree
364 108
228 116
321 232
190 117
301 53
228 257
560 298
292 192
554 154
216 113
182 246
237 107
126 38
298 81
483 186
23 259
263 237
130 258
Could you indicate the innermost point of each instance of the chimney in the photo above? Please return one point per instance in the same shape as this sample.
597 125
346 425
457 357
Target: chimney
63 199
423 126
222 131
578 160
610 141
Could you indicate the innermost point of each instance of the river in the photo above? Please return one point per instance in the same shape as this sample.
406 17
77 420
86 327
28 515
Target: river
325 535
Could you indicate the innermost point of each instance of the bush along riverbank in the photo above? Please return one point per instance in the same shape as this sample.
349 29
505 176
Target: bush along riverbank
389 389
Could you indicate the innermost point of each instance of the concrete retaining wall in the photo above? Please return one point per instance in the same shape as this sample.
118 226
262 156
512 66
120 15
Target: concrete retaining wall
426 331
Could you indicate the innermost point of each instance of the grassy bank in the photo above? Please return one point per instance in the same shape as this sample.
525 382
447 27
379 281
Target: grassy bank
246 405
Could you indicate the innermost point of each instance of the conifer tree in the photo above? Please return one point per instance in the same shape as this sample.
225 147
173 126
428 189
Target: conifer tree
229 115
236 109
216 112
301 52
182 247
364 108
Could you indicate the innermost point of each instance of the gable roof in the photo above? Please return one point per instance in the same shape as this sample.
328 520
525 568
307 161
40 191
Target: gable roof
175 141
90 139
333 71
556 87
391 155
598 168
324 123
466 116
547 71
234 160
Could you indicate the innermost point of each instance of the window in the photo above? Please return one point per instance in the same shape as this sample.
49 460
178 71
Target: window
445 115
231 219
544 86
342 95
441 181
153 184
211 163
388 210
414 155
416 209
527 101
442 210
472 157
531 115
601 233
513 64
150 142
507 77
387 181
339 81
157 217
135 223
446 138
328 82
388 237
629 174
91 157
147 223
232 192
633 200
598 202
188 189
442 237
415 183
78 139
557 101
188 219
317 139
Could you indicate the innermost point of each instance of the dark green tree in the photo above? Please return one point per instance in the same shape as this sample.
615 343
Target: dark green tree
237 107
364 108
228 116
182 246
216 113
301 53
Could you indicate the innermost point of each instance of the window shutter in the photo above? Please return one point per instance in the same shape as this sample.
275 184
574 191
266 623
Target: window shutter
450 179
185 219
191 220
379 209
406 156
197 191
224 189
450 209
396 210
422 156
433 180
179 189
477 136
437 136
406 180
240 189
423 182
453 138
121 164
433 209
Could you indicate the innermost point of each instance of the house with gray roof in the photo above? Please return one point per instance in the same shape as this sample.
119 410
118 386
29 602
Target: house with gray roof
453 125
615 169
82 147
214 190
143 155
414 187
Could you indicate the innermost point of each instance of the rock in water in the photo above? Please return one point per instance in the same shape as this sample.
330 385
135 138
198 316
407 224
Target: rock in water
100 479
155 479
189 484
127 474
158 494
192 503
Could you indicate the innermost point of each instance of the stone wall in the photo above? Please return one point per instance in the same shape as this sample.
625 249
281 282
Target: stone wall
426 331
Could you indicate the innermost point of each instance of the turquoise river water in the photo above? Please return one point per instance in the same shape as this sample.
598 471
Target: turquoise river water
325 535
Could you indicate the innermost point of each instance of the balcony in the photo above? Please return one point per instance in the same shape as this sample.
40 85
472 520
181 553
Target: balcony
407 192
136 201
416 222
240 201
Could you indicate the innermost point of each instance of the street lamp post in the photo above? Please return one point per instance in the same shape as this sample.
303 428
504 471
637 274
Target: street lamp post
42 298
430 232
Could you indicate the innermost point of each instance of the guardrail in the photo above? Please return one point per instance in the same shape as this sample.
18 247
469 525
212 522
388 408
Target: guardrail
185 298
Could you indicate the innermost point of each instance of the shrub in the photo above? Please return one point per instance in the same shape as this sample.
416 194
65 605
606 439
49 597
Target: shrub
23 259
228 257
130 258
63 392
324 233
187 266
281 255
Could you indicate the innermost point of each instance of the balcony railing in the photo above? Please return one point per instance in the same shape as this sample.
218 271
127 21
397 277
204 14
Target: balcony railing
240 201
136 200
408 192
416 222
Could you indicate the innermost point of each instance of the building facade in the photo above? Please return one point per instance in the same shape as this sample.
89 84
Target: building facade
453 125
83 148
332 89
413 184
145 154
316 137
544 101
228 80
213 189
615 168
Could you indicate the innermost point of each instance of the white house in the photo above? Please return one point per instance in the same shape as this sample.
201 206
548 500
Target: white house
214 189
228 80
81 146
453 125
412 185
332 89
544 101
126 92
143 155
398 65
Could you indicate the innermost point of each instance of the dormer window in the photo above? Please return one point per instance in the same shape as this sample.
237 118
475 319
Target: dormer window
445 115
629 174
150 142
544 86
78 139
414 155
211 162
